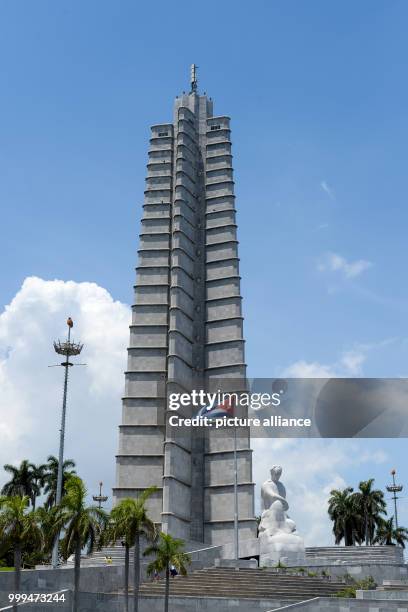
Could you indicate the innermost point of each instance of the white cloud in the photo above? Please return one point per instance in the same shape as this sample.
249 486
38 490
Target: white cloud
31 393
328 190
352 361
322 226
305 369
332 262
349 364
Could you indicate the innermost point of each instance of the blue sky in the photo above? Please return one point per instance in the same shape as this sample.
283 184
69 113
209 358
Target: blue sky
317 93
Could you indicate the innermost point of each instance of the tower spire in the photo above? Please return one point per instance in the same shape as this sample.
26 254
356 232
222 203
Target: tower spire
193 78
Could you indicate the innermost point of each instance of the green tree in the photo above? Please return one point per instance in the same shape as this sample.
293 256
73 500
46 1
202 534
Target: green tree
49 519
168 551
345 516
130 521
26 479
51 478
371 505
82 524
19 530
38 481
387 533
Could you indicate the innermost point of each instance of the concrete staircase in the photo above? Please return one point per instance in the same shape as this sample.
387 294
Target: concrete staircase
98 557
245 584
355 555
330 555
394 585
116 552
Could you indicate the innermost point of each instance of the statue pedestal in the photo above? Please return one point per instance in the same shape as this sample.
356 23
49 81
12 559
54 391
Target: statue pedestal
290 559
288 548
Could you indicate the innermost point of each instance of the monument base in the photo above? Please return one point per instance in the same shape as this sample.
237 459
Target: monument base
283 557
286 548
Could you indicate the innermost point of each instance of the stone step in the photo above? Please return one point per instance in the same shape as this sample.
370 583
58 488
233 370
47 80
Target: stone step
389 552
265 581
278 579
195 589
244 589
254 594
294 597
350 549
261 576
259 588
245 583
291 587
261 581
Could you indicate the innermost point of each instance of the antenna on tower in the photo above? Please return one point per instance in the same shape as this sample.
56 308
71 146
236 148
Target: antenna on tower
193 78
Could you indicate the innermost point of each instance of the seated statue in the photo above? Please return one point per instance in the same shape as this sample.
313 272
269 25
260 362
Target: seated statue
279 540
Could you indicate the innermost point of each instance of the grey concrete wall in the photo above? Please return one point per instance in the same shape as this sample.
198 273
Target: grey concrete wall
94 579
114 603
103 578
104 602
339 604
396 595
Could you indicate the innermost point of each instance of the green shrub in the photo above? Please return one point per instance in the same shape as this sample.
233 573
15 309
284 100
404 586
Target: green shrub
366 584
349 592
280 565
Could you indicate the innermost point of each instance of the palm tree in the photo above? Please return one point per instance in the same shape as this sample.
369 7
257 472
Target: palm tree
38 475
168 551
345 516
371 504
19 530
390 535
23 481
51 478
49 518
130 521
83 525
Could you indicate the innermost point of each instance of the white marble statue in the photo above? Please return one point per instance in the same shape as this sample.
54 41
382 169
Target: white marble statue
278 538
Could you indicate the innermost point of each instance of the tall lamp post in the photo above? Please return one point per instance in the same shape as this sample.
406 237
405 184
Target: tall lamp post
394 489
68 349
236 524
100 498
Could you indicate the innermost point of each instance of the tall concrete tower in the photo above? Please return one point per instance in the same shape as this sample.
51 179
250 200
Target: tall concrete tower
187 329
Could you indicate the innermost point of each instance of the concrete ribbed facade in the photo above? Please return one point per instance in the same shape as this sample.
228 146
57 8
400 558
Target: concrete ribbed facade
187 329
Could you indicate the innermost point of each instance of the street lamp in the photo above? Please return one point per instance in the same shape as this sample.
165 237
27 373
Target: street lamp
394 489
100 498
68 349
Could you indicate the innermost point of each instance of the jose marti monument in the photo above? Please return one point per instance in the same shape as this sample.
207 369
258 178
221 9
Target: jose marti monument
186 330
